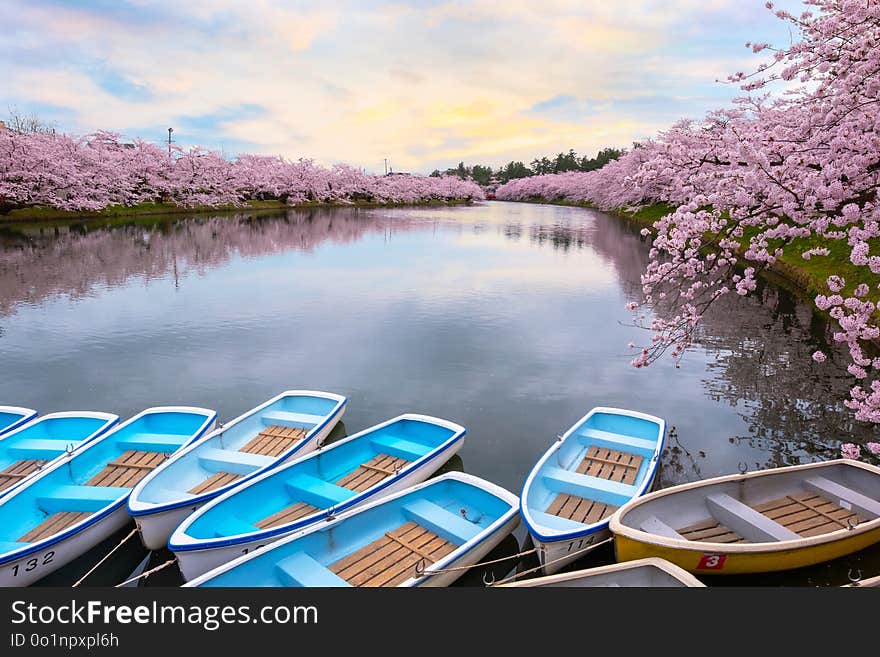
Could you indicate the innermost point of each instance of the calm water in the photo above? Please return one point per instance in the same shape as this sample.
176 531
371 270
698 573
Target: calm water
506 318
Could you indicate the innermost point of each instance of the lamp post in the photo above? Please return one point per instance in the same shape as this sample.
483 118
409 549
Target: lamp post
170 130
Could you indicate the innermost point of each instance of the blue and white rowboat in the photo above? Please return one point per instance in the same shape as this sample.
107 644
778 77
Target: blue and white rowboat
376 462
606 459
426 535
70 507
289 425
37 444
12 417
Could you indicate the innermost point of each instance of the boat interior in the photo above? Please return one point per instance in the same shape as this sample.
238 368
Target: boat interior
29 448
322 479
796 505
380 546
241 449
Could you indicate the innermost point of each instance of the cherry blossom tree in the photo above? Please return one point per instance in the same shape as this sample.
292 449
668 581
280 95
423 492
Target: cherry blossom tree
792 167
98 170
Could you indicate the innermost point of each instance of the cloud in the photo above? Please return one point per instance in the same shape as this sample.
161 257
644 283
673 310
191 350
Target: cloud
425 84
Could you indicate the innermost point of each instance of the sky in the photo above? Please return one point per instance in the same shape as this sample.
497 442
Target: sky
424 84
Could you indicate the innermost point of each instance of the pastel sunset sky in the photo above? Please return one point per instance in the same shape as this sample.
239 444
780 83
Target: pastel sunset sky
423 83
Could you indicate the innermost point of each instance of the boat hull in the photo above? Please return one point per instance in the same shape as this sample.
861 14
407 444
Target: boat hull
556 555
155 528
34 566
706 561
640 573
762 521
193 563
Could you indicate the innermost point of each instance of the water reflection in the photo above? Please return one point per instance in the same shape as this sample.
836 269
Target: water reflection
38 263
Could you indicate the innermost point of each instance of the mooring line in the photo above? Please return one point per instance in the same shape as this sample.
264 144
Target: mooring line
426 573
106 556
147 573
537 568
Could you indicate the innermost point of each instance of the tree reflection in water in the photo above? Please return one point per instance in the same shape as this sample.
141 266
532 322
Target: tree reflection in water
757 351
39 263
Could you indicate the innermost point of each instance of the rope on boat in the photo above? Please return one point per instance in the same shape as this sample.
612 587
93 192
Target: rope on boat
106 556
147 573
537 568
421 572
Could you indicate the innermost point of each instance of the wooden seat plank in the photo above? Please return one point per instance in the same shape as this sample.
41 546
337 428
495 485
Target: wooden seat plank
215 481
274 440
128 469
579 509
710 531
809 514
372 472
392 558
610 464
18 471
53 524
287 514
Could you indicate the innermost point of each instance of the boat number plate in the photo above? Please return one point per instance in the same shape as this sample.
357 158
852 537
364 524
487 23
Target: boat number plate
583 543
30 564
712 562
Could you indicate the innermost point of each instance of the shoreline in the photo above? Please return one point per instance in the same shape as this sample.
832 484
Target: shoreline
41 213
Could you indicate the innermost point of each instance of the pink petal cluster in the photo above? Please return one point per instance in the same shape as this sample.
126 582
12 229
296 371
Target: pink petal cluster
850 451
98 170
797 156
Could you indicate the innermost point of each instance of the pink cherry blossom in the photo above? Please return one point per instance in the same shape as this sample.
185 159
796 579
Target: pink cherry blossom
98 170
785 162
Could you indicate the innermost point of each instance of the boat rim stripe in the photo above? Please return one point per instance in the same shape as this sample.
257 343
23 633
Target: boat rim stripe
170 506
342 506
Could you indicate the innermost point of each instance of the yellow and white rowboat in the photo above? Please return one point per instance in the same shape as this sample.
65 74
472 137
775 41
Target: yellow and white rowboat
755 522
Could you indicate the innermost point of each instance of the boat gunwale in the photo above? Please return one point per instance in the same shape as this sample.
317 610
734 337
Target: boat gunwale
111 421
498 524
459 432
640 536
27 414
677 572
13 555
142 508
539 531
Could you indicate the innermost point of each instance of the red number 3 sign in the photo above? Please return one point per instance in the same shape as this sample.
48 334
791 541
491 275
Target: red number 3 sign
712 562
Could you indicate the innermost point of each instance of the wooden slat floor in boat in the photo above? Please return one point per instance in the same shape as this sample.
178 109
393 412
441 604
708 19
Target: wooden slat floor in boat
809 514
18 471
215 481
372 472
286 515
274 440
128 469
579 509
610 464
53 524
392 559
806 514
710 531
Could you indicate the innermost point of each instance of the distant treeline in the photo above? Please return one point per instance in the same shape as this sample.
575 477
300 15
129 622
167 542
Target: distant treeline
562 162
